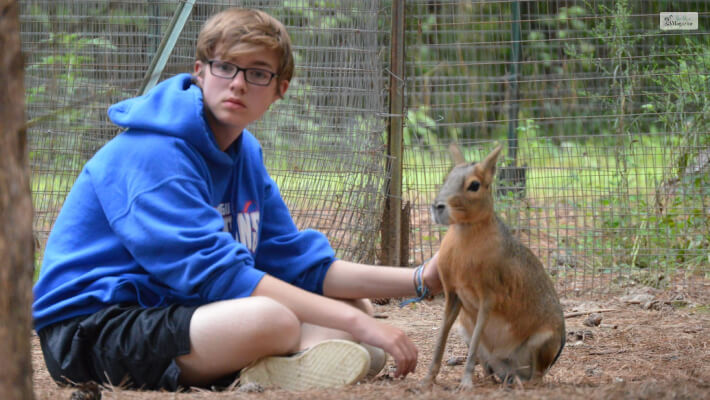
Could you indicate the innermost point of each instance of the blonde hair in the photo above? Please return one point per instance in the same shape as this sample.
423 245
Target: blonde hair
238 30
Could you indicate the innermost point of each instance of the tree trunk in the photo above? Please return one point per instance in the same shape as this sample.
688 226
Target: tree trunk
16 240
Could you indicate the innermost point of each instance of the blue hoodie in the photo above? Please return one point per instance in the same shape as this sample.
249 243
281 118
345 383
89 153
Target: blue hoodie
160 215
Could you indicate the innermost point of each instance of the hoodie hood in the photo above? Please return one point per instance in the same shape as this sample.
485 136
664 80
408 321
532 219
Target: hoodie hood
174 107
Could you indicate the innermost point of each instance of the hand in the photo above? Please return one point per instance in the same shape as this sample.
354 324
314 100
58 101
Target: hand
430 275
390 339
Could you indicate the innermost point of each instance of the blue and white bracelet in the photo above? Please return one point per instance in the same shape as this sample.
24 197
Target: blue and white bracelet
419 286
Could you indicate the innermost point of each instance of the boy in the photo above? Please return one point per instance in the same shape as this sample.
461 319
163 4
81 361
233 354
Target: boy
175 262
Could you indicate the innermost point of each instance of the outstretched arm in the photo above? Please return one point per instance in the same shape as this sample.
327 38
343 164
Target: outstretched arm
347 280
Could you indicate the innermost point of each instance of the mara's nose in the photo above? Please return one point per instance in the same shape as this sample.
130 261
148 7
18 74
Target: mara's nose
438 212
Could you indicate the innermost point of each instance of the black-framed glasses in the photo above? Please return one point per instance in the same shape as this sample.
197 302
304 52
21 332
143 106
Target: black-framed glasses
255 76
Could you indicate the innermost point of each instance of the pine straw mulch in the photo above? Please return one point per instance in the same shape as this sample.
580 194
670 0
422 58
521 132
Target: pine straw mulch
653 345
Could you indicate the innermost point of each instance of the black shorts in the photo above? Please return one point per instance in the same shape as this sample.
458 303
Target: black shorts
123 345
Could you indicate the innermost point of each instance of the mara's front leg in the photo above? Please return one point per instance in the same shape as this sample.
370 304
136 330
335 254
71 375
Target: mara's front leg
451 311
481 319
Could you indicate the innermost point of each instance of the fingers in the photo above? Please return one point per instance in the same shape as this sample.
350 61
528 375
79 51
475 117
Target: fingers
403 351
393 341
407 362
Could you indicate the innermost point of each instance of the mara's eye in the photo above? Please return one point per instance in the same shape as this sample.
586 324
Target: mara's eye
473 186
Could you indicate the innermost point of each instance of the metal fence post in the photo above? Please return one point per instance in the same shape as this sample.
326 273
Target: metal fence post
512 177
514 88
392 234
172 33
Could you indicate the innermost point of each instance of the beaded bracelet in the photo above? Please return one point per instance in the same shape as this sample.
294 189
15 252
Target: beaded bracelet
419 286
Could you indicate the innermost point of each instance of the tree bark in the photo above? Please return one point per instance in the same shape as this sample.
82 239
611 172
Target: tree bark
16 240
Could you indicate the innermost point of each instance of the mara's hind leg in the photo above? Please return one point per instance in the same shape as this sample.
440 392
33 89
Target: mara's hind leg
546 356
538 354
481 320
525 359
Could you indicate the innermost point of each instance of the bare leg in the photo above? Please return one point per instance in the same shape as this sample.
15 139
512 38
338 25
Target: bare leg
228 335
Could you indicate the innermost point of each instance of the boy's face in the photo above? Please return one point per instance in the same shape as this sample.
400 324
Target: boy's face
232 104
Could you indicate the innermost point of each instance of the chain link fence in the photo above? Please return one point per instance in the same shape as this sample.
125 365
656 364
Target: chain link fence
603 115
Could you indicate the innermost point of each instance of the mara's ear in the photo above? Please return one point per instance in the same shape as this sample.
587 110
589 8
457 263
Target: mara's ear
456 154
488 165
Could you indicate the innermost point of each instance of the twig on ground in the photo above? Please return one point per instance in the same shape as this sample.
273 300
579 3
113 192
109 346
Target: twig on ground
579 313
605 352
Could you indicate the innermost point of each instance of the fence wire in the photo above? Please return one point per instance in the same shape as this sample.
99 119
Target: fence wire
322 143
604 118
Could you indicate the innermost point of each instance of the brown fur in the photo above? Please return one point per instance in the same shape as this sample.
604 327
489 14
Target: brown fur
504 299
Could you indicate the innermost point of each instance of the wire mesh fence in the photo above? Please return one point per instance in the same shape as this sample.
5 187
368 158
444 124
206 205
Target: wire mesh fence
605 120
604 117
322 143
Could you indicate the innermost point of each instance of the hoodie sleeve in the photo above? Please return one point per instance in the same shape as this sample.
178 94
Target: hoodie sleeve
189 255
299 257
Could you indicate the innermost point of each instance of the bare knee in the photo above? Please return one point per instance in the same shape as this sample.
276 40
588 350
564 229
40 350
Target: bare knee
228 335
284 328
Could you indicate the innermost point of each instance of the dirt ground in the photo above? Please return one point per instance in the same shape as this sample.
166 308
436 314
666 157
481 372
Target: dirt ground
649 345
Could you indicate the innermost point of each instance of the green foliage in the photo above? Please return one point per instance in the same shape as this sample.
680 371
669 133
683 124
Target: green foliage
419 128
679 227
568 24
683 103
322 14
67 61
